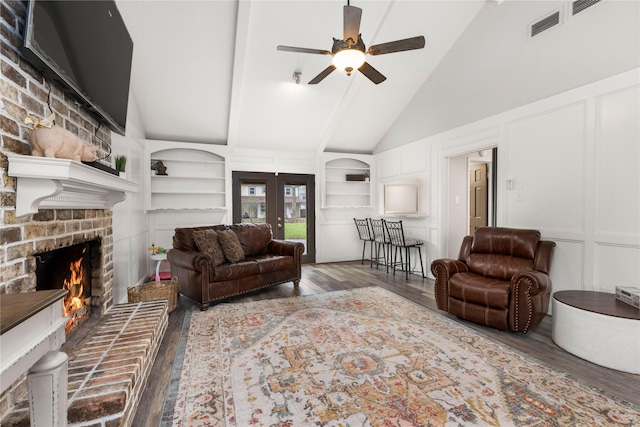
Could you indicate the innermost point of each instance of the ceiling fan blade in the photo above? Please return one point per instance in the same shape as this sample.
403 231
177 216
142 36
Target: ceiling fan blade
352 17
397 46
303 50
317 79
371 73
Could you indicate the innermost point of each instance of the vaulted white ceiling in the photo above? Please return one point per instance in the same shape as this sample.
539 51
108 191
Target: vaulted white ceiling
209 72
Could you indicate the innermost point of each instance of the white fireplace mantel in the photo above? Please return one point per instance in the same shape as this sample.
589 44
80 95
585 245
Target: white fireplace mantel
50 183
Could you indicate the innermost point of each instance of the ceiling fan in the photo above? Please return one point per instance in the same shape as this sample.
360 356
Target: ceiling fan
349 53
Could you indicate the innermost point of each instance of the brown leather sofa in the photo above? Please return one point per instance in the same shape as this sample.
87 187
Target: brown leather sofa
267 262
500 279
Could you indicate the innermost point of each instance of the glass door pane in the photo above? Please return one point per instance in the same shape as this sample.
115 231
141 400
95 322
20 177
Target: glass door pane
254 201
295 213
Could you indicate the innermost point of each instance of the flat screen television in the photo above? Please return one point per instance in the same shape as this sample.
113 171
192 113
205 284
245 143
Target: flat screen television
401 199
85 47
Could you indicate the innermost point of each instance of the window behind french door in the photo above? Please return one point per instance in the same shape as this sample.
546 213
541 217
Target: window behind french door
286 201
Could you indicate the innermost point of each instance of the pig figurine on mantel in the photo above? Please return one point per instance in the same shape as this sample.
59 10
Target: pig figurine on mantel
49 140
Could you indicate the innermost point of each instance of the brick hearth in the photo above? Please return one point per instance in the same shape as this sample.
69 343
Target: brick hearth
109 368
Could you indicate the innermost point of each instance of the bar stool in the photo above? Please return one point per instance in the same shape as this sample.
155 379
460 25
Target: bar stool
365 234
399 243
381 241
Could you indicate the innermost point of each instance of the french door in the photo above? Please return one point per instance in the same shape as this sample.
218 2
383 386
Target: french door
286 201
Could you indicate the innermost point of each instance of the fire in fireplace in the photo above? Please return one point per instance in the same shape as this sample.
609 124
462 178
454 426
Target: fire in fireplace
70 268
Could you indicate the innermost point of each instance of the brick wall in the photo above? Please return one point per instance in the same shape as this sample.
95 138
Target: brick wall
25 92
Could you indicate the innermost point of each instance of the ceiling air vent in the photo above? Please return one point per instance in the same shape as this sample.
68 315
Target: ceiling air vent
545 23
580 5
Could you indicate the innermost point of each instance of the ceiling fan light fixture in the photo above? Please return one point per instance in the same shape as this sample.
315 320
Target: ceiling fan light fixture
348 60
348 54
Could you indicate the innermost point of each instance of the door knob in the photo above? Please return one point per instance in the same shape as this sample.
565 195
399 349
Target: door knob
279 225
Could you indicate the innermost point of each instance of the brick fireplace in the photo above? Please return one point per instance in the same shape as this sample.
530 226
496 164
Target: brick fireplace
49 204
24 92
23 238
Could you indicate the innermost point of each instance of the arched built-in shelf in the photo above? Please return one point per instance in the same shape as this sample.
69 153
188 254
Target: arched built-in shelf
346 183
195 178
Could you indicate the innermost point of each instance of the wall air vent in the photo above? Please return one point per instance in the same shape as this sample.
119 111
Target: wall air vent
580 5
544 24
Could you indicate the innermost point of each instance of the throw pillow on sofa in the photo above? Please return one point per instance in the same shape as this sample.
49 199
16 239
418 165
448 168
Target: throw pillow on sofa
230 245
254 238
207 242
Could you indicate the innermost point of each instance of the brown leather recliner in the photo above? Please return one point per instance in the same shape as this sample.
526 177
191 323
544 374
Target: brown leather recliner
501 279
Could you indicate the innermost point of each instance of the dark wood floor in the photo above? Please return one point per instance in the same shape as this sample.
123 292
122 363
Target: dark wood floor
320 278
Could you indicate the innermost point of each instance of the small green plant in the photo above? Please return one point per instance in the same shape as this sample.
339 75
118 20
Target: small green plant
153 166
121 163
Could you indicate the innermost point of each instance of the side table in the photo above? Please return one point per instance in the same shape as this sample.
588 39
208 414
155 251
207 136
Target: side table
159 258
595 326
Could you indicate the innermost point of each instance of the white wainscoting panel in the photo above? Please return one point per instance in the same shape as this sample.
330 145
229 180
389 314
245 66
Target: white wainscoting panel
388 164
414 159
618 163
566 265
130 224
162 225
432 246
339 242
253 160
127 264
546 165
617 266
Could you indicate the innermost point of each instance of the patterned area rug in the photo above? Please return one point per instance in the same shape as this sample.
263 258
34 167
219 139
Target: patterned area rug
367 357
